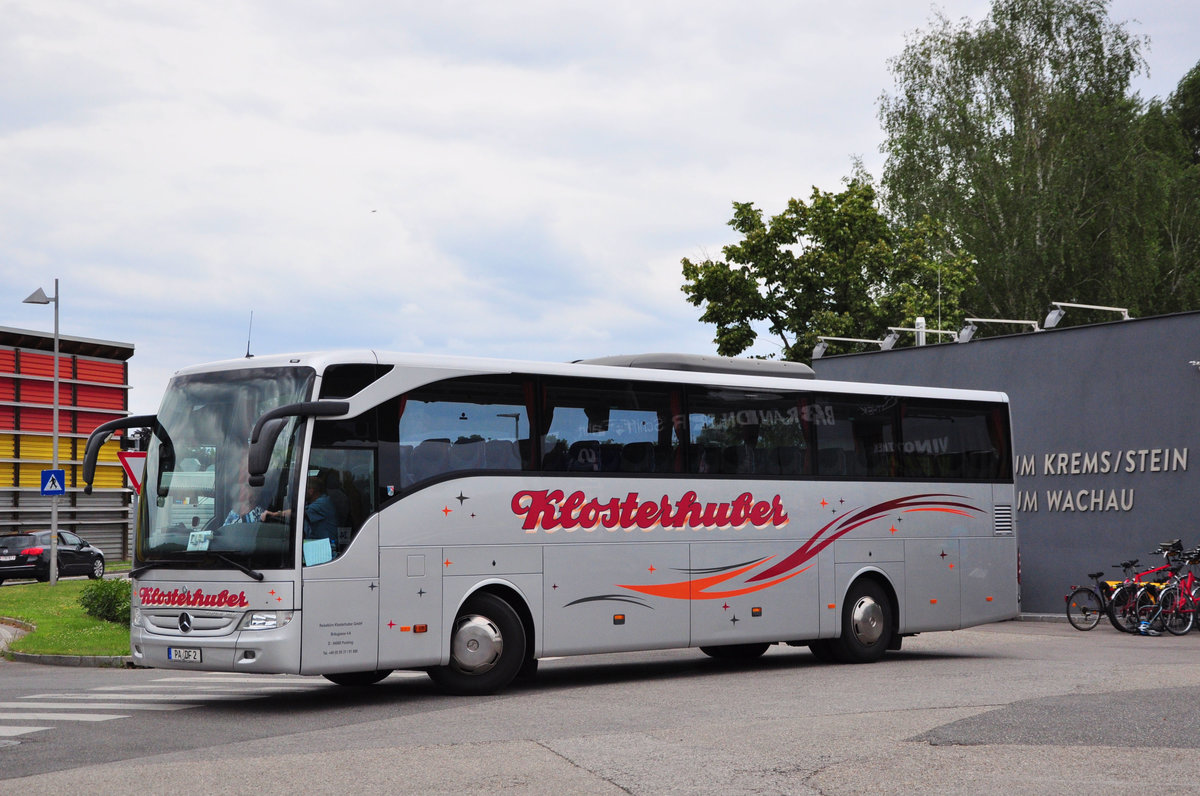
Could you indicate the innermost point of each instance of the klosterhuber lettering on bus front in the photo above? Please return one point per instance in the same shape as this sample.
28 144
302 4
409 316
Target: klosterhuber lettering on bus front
549 510
191 599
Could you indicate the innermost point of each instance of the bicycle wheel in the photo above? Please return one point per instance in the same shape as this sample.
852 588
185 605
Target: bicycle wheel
1148 609
1084 608
1179 612
1122 609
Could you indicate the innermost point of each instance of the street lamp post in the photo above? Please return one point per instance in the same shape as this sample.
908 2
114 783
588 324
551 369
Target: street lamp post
39 297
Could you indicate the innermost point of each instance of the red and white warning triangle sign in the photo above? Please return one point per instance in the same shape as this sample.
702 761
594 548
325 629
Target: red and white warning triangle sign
133 462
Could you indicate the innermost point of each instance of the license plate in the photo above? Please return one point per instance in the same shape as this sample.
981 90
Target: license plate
8 558
187 654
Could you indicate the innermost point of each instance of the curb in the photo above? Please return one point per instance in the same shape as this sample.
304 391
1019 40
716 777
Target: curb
11 629
1042 618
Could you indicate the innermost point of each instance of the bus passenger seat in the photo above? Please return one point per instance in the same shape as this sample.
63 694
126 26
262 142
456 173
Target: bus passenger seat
467 455
637 457
501 454
430 458
832 461
584 456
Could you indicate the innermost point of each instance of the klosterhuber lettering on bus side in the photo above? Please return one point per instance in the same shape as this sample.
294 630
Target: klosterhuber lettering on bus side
549 510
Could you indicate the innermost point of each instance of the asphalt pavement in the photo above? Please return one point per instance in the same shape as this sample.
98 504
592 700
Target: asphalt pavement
1006 709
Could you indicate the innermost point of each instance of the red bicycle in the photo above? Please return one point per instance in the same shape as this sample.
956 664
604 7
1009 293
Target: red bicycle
1123 604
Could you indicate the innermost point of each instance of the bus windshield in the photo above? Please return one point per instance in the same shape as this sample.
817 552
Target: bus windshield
197 506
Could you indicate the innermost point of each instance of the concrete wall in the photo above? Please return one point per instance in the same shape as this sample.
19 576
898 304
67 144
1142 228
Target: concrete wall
1106 429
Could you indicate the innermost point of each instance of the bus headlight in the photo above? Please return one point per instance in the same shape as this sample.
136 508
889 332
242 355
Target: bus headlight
265 620
136 618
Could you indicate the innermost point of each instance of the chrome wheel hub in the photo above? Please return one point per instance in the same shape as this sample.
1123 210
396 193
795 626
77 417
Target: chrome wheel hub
866 621
477 644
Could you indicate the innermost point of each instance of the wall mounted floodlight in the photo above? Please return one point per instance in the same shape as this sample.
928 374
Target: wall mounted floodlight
822 344
1058 312
895 329
969 330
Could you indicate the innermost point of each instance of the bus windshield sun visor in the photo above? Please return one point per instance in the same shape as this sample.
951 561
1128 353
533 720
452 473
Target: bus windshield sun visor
98 437
268 427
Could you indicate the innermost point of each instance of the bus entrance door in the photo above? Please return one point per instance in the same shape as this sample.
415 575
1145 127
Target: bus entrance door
340 609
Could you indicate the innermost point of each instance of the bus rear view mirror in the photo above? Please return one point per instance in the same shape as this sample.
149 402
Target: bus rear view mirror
101 434
268 427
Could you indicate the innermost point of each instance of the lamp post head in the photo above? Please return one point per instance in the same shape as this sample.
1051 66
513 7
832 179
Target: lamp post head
39 297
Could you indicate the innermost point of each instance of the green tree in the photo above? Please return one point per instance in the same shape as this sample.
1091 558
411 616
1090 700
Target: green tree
831 267
1020 136
1171 132
1185 105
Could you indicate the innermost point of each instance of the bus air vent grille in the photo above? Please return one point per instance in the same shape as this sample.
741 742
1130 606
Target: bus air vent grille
1003 521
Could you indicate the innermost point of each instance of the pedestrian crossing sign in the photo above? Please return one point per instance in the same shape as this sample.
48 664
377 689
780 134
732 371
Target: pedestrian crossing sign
54 482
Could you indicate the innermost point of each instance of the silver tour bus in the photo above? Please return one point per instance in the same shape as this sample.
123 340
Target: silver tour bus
347 514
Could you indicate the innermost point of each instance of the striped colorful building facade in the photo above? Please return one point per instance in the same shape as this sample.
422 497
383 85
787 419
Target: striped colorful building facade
93 389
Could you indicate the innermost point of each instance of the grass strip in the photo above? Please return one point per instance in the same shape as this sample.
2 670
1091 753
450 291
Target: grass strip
61 625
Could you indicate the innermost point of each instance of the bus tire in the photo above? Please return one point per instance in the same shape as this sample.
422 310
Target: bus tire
822 650
528 670
866 624
487 648
357 679
736 652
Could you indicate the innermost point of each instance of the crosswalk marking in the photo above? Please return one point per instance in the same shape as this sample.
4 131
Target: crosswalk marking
169 693
60 716
97 706
258 682
217 689
171 697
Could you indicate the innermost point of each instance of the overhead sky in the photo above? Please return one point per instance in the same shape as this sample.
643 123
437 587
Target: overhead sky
513 179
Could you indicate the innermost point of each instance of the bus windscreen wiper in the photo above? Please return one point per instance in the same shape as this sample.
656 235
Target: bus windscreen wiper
254 573
137 572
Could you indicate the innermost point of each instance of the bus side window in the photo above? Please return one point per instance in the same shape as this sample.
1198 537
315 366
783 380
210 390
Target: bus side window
741 432
464 426
953 442
602 426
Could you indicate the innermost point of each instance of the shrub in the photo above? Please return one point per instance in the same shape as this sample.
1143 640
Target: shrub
107 600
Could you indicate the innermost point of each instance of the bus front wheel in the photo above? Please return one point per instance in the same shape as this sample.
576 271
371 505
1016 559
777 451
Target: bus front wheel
866 624
487 648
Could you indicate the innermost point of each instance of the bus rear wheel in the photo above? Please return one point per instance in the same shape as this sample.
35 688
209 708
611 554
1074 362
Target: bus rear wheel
358 679
866 624
487 648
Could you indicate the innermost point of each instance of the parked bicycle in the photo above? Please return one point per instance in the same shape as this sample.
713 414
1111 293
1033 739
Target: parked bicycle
1085 605
1123 607
1118 599
1172 608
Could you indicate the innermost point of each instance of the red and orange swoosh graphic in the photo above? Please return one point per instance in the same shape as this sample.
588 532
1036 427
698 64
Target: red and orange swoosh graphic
703 588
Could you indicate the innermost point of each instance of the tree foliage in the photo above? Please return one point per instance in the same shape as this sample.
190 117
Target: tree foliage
1021 137
1020 170
832 267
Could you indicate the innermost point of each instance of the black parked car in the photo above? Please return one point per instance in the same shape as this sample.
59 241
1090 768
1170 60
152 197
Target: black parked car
27 555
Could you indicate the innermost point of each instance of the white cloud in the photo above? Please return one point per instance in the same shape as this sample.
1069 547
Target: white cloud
515 179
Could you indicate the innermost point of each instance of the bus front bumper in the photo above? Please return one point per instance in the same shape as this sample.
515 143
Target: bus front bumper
273 651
